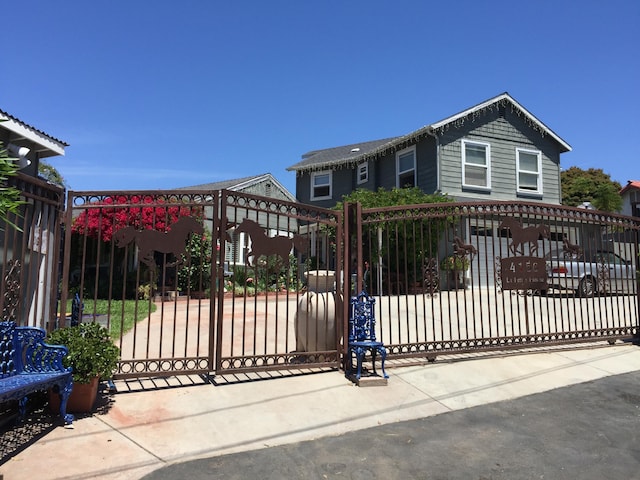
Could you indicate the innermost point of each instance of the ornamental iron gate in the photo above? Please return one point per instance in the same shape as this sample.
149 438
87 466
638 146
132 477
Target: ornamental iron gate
228 282
467 277
203 281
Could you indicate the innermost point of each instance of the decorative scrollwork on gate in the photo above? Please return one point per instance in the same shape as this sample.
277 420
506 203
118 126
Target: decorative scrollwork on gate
11 298
431 277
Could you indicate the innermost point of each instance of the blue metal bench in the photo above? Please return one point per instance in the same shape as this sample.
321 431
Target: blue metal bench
28 365
362 335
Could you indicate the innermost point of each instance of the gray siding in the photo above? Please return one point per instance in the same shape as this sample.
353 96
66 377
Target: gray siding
426 165
503 129
426 153
266 188
342 184
386 172
382 173
504 133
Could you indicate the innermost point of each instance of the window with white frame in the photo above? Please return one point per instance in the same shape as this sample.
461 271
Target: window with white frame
406 168
529 171
321 185
363 172
476 164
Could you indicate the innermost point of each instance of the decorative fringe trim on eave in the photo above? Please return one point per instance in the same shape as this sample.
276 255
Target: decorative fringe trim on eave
414 137
382 151
494 107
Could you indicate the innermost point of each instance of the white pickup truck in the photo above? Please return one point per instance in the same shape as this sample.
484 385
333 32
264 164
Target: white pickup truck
591 273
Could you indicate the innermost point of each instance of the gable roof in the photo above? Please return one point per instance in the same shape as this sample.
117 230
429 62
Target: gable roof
359 152
238 184
37 140
630 184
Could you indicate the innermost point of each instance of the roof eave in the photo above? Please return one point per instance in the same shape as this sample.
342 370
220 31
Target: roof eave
509 98
394 143
47 146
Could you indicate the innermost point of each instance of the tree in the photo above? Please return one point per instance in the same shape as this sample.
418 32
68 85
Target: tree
592 185
51 174
9 196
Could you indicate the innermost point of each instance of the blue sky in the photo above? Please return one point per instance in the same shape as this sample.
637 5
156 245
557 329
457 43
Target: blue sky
163 94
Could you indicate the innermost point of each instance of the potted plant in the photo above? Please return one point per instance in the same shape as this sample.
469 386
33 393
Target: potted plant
455 266
92 356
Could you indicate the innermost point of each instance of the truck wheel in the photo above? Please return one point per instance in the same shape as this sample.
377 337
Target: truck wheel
587 287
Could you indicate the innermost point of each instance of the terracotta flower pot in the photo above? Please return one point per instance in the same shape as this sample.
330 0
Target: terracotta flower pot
81 400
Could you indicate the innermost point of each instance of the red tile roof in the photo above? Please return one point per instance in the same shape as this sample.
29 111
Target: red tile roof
630 184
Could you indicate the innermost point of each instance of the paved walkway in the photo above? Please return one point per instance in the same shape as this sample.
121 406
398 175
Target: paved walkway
151 428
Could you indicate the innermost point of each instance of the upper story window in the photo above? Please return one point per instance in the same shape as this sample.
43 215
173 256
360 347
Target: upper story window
476 164
406 168
321 185
529 171
363 172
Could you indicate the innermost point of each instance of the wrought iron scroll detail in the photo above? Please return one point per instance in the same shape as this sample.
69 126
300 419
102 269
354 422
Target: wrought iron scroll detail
497 273
431 277
11 298
604 279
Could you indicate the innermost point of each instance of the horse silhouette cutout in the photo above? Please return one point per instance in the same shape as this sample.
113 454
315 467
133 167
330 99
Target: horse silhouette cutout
571 250
462 249
263 245
149 241
521 236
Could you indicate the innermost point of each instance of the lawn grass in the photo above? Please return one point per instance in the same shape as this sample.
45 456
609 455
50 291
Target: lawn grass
114 308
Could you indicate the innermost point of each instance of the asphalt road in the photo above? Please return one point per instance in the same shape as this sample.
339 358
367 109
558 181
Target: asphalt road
585 431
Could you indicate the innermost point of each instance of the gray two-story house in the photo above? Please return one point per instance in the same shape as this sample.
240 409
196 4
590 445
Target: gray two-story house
496 150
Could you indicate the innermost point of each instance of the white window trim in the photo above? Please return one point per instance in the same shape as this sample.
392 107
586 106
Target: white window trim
313 190
464 144
361 169
398 172
528 191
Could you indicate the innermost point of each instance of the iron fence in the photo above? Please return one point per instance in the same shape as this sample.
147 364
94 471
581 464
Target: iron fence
30 254
466 277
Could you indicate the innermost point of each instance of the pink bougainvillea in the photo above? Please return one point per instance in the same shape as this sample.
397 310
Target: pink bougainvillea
103 218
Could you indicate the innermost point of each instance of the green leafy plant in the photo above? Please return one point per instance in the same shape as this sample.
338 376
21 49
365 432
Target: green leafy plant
454 263
9 196
195 273
91 351
406 241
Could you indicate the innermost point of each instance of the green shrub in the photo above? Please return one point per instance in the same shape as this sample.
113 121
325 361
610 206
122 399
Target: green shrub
91 351
454 263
